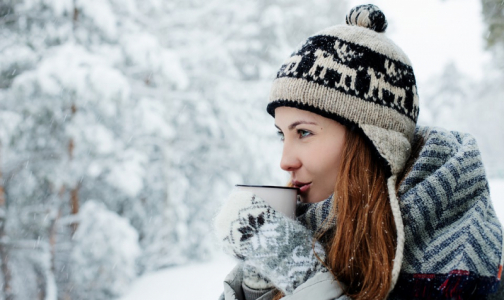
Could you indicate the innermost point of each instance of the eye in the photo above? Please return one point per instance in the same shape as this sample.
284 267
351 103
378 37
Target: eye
281 135
303 133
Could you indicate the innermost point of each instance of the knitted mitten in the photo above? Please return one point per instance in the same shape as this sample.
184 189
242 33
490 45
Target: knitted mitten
253 279
278 248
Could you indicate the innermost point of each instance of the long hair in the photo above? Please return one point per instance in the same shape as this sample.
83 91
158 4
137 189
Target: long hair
361 251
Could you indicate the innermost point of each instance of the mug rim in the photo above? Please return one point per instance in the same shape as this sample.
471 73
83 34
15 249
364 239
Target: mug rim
268 186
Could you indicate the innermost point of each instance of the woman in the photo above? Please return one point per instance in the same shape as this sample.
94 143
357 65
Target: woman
388 210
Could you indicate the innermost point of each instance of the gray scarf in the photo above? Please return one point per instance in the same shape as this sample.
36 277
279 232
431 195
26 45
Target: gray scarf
313 215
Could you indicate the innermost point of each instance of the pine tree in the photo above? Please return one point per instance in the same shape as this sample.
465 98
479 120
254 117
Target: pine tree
493 12
104 253
231 52
76 84
154 109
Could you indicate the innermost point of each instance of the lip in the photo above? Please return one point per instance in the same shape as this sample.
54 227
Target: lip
302 186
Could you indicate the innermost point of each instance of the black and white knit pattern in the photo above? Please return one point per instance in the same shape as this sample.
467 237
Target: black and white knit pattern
279 248
337 64
369 16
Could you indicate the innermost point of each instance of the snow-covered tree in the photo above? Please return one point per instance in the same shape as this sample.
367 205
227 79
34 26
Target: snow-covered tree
493 17
154 109
231 52
445 97
104 253
76 85
458 102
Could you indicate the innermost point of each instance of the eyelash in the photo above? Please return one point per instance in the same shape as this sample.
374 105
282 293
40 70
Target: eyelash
281 135
301 133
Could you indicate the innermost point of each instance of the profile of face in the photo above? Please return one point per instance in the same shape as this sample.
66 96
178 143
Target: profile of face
312 148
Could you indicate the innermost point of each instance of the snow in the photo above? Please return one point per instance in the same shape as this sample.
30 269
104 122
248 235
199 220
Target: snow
17 55
8 121
97 135
145 52
60 7
204 281
108 83
102 15
497 194
105 250
67 67
196 281
152 114
128 175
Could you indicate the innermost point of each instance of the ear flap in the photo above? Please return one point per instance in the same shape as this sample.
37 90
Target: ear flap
395 147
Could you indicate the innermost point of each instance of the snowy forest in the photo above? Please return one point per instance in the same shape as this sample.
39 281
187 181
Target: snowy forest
124 124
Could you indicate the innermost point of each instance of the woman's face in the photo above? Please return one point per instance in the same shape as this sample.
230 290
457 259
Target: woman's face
311 151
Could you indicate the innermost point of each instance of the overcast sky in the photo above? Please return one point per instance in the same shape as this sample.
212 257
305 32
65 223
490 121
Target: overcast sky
435 32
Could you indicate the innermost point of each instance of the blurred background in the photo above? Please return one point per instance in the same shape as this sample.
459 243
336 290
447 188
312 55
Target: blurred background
125 123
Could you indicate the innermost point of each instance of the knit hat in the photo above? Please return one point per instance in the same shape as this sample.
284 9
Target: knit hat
357 76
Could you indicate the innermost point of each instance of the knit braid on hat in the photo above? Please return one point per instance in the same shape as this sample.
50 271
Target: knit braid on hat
355 75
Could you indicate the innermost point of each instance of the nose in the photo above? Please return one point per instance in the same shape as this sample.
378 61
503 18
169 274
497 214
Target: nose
290 161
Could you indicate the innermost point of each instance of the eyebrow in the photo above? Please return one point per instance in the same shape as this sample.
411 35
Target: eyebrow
293 125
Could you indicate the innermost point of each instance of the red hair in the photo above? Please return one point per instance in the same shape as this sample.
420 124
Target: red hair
361 251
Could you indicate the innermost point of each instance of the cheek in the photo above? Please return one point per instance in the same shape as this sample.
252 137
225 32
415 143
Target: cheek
329 163
323 162
330 169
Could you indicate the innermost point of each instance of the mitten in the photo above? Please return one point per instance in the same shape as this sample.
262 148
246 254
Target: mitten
253 279
278 248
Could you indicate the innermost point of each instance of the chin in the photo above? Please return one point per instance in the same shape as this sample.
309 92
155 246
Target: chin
313 199
309 199
304 199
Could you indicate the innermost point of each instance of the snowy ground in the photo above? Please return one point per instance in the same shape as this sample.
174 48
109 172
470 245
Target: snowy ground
204 281
193 282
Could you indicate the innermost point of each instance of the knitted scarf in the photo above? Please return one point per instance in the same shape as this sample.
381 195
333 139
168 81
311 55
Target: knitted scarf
313 215
453 239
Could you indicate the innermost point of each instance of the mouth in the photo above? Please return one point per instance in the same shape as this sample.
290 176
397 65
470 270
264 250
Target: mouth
302 186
